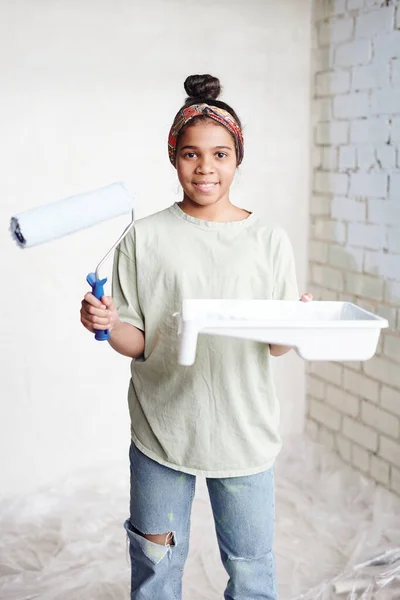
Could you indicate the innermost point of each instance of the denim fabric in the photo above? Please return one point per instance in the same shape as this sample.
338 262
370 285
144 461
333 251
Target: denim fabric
161 502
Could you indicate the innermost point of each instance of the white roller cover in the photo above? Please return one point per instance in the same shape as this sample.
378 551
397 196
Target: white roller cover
66 216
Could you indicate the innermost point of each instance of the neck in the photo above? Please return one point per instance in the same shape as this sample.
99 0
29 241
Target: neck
220 211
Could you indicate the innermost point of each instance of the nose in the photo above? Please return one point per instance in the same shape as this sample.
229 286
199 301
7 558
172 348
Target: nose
205 166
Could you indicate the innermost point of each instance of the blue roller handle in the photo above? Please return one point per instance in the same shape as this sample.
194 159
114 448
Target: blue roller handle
97 286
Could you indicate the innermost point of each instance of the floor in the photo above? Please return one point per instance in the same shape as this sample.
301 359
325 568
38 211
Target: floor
67 542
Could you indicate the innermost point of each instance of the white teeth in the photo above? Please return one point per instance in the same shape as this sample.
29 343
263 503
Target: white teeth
205 186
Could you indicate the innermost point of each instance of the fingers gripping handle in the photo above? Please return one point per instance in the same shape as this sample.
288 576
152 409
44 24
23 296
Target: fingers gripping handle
97 286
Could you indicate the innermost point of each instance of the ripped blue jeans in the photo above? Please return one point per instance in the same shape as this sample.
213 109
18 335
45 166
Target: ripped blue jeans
161 502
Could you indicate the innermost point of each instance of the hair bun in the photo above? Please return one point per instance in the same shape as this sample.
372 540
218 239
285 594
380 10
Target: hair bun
202 86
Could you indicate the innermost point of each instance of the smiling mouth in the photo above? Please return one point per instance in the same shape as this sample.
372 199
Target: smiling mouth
205 187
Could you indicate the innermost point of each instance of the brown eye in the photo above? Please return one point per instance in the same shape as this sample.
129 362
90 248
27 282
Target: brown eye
221 154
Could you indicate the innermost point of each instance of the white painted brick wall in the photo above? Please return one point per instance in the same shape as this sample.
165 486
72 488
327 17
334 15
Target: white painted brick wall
328 9
326 132
346 259
364 286
374 3
361 386
392 292
326 277
326 182
322 108
366 236
320 205
381 264
338 7
354 4
391 347
347 157
326 438
343 446
335 31
369 185
380 470
379 419
361 434
390 450
386 46
318 251
395 72
384 211
346 209
386 157
383 370
344 402
323 59
366 158
368 76
394 185
390 400
330 83
316 388
374 23
390 314
353 53
361 458
329 158
350 106
328 230
354 247
327 371
324 415
395 481
385 102
369 130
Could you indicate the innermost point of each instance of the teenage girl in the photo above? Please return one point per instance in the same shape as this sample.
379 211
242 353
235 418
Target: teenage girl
218 418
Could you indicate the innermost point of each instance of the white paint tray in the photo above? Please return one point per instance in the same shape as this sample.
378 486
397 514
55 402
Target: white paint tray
318 330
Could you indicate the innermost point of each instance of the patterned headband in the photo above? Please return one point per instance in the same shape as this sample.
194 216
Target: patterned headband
213 112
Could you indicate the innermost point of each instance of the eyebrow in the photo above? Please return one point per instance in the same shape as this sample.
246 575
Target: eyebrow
215 148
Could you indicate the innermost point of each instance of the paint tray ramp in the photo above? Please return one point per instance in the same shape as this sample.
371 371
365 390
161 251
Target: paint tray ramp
318 330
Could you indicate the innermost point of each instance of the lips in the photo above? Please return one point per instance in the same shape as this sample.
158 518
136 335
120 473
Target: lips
205 186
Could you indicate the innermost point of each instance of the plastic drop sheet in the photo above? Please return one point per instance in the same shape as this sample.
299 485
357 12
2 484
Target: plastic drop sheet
337 536
377 578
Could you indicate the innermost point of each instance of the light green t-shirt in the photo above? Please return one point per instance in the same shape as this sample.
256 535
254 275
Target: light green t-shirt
219 417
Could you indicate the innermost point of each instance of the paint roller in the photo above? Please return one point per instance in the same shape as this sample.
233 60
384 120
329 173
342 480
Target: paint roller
52 221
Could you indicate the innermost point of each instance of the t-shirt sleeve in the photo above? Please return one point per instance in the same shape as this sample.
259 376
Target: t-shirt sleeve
124 283
285 280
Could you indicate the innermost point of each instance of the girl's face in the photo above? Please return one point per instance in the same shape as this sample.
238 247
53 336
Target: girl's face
206 163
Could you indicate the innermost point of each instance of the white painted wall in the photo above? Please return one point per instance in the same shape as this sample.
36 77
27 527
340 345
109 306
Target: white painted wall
88 91
355 226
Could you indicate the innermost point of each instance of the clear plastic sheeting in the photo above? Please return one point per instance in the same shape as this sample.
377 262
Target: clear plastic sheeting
337 536
375 579
330 521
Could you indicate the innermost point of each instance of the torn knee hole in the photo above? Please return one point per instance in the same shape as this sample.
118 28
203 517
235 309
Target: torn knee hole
155 547
163 539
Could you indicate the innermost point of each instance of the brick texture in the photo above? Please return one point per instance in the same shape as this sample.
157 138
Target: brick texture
354 247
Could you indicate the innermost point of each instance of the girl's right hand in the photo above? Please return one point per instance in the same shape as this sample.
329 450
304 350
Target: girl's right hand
96 314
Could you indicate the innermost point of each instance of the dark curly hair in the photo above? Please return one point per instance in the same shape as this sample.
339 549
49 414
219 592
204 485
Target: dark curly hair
204 89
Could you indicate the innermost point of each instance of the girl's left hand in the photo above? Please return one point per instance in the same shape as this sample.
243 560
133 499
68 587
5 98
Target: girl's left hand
277 350
306 297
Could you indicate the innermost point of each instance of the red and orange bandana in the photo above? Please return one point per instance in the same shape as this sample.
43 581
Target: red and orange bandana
213 112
